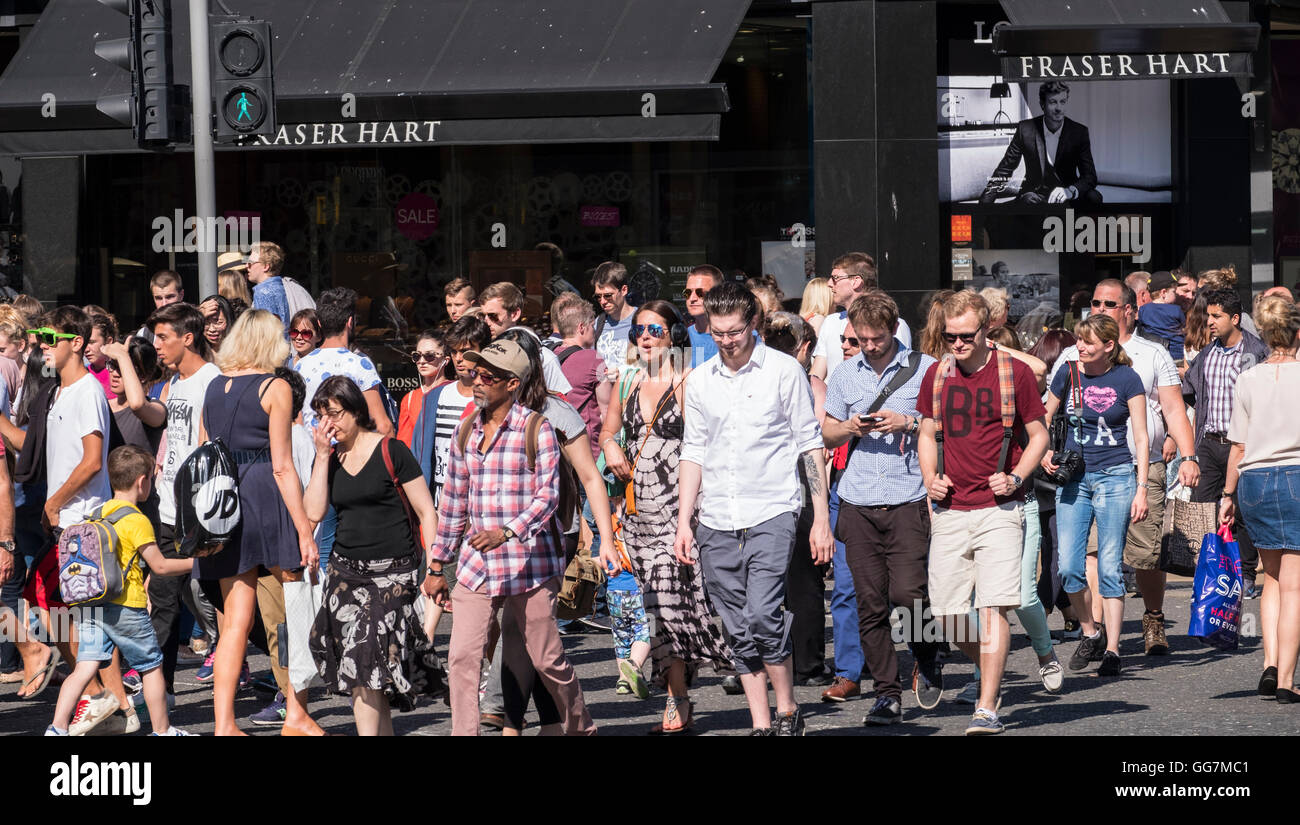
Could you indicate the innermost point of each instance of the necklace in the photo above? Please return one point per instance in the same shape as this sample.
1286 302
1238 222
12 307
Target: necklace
1281 356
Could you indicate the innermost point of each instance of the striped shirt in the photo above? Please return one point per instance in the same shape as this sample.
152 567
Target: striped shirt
1222 366
451 405
493 490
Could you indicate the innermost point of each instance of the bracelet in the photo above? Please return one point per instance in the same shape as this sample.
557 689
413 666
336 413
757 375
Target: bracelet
1227 494
606 441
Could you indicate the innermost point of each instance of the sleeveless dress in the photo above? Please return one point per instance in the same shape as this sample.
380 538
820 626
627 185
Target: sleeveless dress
683 624
266 536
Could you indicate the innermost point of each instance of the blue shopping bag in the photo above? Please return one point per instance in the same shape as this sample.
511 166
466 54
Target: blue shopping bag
1216 591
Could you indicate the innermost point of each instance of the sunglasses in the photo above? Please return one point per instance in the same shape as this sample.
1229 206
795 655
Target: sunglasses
853 342
965 337
487 378
655 330
50 337
302 333
697 292
113 367
431 357
1096 304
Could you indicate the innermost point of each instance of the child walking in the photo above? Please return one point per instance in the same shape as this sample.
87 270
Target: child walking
123 623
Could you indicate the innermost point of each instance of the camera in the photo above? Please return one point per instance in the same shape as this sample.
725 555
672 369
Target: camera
1069 466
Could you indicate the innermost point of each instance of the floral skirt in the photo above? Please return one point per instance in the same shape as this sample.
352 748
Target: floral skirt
368 633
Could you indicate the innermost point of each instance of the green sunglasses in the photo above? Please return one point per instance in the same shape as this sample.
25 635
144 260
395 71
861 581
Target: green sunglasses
50 337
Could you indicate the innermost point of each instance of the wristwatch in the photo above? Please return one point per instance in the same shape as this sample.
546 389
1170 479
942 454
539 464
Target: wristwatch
1018 480
1192 459
8 545
429 570
508 533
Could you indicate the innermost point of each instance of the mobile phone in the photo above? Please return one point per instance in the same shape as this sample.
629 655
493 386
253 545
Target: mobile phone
869 419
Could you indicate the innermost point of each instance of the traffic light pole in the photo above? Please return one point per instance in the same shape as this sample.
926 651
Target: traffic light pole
205 189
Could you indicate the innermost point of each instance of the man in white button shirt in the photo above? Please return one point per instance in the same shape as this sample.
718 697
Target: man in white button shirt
749 428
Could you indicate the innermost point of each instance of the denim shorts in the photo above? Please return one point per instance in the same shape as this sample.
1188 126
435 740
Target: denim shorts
104 627
1269 498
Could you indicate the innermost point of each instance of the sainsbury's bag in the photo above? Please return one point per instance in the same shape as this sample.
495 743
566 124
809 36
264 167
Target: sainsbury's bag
1216 592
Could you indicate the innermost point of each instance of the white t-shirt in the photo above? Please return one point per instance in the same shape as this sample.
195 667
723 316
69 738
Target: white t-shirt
451 406
1155 367
613 343
828 340
78 411
320 364
184 411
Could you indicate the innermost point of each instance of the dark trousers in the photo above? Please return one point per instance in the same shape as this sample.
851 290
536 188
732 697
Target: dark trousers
1213 456
886 550
805 598
165 601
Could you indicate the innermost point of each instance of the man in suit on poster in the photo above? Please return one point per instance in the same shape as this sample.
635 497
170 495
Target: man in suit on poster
1057 153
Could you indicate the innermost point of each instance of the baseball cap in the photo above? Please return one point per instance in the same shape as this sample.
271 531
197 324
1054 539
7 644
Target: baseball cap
505 357
1162 280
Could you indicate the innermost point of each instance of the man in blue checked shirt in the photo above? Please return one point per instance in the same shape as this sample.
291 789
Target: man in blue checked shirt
884 518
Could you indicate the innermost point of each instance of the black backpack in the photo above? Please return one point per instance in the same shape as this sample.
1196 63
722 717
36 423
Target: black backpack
207 500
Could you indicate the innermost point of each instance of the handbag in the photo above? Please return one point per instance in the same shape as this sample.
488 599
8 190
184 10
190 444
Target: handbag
630 507
582 578
1180 546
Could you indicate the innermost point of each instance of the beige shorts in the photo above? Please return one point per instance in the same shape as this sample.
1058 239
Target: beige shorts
1142 547
976 551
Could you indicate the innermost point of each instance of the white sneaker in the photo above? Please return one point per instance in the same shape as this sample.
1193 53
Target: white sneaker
132 721
1052 674
173 731
91 711
52 731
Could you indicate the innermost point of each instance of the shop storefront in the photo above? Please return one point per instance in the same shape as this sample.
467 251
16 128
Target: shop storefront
785 134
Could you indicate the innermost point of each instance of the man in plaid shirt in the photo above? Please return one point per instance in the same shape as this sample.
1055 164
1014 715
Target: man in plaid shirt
500 517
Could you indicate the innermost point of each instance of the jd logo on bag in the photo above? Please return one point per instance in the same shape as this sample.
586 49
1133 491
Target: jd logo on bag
217 505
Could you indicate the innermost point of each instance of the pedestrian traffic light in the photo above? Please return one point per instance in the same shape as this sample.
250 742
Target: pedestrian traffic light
242 77
150 108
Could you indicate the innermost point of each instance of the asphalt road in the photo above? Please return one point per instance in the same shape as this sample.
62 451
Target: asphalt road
1195 690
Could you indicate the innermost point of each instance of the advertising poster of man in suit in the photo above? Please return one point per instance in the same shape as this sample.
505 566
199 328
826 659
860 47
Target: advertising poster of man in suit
1057 155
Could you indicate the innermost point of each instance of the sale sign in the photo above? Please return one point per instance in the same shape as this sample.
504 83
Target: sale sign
417 216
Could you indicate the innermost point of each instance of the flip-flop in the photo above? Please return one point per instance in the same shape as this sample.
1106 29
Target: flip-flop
43 676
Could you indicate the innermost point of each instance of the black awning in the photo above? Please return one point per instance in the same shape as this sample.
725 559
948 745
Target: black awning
508 71
1155 38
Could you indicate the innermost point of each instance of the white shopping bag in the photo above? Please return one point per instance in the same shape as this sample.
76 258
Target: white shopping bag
302 601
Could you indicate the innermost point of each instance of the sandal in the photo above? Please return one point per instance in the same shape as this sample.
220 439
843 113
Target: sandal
632 677
42 677
671 713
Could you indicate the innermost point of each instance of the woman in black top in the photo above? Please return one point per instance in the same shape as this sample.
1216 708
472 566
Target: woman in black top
368 641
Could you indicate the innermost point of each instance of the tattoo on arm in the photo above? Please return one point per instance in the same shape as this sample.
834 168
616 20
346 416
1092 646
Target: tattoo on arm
813 477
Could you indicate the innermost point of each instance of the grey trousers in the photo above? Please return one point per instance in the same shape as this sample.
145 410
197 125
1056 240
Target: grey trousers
745 573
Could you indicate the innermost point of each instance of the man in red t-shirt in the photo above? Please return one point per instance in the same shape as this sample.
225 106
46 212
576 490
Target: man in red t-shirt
580 362
977 529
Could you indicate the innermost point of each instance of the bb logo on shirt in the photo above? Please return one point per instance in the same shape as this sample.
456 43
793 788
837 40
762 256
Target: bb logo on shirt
217 505
964 408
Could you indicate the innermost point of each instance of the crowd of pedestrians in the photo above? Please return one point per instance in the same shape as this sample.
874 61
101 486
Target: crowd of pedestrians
719 464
